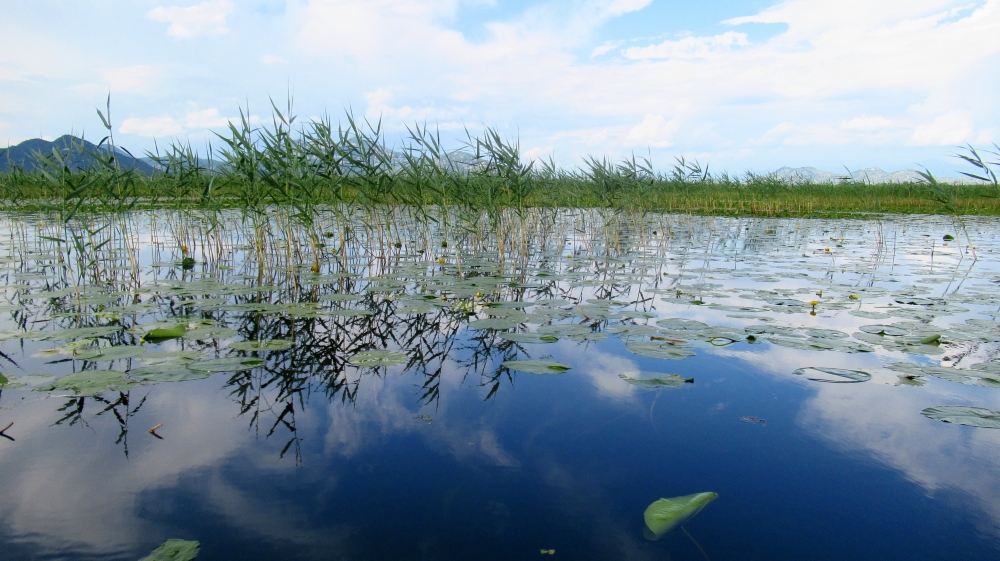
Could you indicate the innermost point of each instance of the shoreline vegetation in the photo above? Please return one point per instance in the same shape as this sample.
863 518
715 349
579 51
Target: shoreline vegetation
302 165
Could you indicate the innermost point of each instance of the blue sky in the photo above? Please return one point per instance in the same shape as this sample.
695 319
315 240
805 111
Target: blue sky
740 84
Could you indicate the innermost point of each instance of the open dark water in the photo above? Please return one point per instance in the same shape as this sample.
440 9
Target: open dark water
452 455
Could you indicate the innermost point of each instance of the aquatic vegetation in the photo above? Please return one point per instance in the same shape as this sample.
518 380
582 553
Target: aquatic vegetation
963 415
665 515
174 550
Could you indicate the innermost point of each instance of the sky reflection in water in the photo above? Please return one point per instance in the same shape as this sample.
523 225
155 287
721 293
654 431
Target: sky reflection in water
452 456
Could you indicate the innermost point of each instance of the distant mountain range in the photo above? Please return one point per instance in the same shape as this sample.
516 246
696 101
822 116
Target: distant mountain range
23 155
863 175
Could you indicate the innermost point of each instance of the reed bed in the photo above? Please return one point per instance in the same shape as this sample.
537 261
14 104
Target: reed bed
298 166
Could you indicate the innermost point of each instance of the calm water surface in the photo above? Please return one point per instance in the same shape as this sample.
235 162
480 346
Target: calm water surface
674 351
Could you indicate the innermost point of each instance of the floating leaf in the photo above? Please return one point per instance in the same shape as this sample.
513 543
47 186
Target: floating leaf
166 372
228 364
110 353
92 382
528 338
377 358
272 345
537 366
666 514
654 380
8 383
493 323
884 330
165 333
655 349
963 415
174 550
210 333
834 375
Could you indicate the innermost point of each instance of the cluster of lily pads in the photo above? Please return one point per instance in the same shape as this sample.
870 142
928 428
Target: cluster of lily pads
770 281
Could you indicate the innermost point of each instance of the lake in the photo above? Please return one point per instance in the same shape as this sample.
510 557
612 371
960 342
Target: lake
523 388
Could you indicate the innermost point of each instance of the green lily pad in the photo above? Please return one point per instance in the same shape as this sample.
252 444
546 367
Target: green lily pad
564 329
884 330
833 375
656 349
667 514
210 333
963 415
92 382
165 332
8 383
166 372
73 333
110 353
681 324
227 364
376 358
528 338
537 366
272 345
174 550
176 357
493 323
651 380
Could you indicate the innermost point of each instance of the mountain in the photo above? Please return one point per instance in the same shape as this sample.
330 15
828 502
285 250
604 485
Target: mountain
863 175
23 155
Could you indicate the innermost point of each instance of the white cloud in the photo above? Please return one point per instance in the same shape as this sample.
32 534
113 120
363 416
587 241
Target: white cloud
205 18
193 121
151 127
947 130
206 119
689 47
619 7
270 59
654 130
866 123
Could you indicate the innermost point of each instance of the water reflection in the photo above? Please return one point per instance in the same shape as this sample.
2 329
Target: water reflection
307 455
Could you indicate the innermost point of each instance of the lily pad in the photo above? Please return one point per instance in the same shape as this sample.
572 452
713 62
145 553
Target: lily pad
272 345
667 514
227 364
210 333
537 366
165 333
964 415
884 330
110 353
174 550
92 382
8 383
655 349
833 375
528 338
166 372
651 380
376 358
493 323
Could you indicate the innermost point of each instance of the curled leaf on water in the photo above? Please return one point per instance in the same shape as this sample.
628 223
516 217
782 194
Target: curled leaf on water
833 375
537 366
964 415
174 550
165 333
665 515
